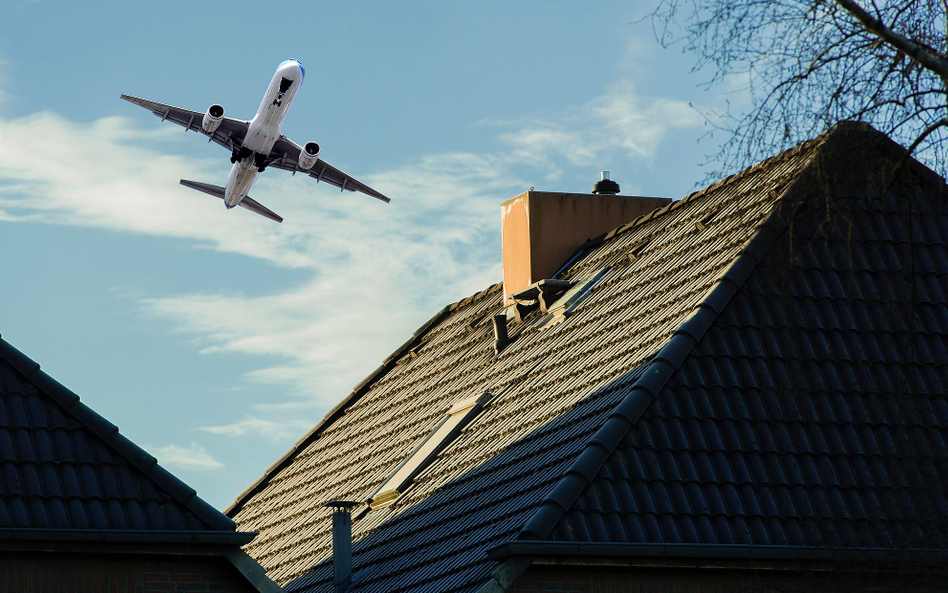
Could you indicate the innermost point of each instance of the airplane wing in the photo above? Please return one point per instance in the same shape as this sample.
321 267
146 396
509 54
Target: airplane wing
286 153
229 134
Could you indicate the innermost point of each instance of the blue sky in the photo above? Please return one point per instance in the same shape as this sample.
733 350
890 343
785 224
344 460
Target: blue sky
216 338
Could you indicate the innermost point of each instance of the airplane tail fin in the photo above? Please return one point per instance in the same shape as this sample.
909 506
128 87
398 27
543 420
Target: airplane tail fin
247 203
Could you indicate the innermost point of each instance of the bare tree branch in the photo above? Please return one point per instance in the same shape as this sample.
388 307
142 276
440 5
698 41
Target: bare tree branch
927 132
801 66
907 46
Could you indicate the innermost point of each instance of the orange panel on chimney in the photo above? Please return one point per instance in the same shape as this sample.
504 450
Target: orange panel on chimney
542 230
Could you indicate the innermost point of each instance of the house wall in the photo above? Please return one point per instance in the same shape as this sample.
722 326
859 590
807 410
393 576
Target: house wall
630 579
97 573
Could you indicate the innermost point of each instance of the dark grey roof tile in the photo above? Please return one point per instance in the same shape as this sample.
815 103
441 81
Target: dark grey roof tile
726 454
67 468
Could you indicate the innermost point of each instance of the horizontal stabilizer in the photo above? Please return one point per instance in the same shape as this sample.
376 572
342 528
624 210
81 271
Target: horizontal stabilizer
259 208
213 190
247 203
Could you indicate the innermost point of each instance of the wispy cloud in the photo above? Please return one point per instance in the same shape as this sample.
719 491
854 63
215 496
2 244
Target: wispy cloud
375 272
194 456
117 176
621 120
274 430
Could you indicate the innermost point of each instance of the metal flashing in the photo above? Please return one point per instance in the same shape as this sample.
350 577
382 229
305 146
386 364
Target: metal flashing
440 437
571 299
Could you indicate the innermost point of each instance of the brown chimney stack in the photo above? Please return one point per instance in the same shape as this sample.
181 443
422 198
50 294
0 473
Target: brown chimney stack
541 230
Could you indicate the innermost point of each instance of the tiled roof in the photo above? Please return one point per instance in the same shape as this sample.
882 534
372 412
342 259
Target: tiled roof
67 473
544 457
813 412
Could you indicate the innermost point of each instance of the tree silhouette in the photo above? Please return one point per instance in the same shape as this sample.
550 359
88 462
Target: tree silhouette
794 68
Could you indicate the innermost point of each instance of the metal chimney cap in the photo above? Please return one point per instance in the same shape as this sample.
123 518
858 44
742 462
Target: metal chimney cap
605 185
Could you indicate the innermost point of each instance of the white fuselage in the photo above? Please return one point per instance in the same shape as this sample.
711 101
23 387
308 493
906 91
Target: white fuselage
264 130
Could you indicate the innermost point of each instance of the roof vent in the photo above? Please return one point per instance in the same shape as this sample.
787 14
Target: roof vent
500 333
605 185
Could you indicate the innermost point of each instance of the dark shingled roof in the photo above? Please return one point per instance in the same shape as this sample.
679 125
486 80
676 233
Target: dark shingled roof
67 474
762 365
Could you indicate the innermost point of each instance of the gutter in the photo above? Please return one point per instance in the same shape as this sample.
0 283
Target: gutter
142 536
519 548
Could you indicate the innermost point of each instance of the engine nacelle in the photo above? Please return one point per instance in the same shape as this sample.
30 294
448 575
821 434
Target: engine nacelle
213 118
309 155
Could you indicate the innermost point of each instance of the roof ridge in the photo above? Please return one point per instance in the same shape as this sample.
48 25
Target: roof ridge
109 433
593 456
787 154
476 296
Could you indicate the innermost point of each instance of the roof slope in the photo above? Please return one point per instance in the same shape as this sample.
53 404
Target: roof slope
67 473
554 388
813 412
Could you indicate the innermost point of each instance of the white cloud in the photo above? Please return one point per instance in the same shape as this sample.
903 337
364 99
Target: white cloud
620 120
377 274
191 457
110 174
375 271
274 430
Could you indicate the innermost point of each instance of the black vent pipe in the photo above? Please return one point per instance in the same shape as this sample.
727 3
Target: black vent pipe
341 542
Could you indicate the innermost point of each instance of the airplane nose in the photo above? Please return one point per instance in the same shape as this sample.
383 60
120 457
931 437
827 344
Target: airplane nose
296 63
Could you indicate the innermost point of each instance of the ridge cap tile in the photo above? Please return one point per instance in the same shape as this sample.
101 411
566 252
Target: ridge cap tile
677 347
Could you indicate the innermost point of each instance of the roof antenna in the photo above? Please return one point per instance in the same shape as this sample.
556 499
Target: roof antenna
341 542
605 185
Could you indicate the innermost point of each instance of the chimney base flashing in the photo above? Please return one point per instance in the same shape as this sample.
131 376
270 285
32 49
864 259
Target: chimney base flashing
545 286
542 230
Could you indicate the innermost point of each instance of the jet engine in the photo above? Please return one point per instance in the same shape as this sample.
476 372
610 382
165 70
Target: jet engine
213 118
309 156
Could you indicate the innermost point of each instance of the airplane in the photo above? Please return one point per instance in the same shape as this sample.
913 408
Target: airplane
258 143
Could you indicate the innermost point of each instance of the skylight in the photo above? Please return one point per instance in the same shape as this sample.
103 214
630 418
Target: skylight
446 431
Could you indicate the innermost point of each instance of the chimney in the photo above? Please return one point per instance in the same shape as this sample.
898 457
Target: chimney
341 542
542 230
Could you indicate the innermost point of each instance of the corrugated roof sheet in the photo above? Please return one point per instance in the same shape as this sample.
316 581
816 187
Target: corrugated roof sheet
63 467
566 396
